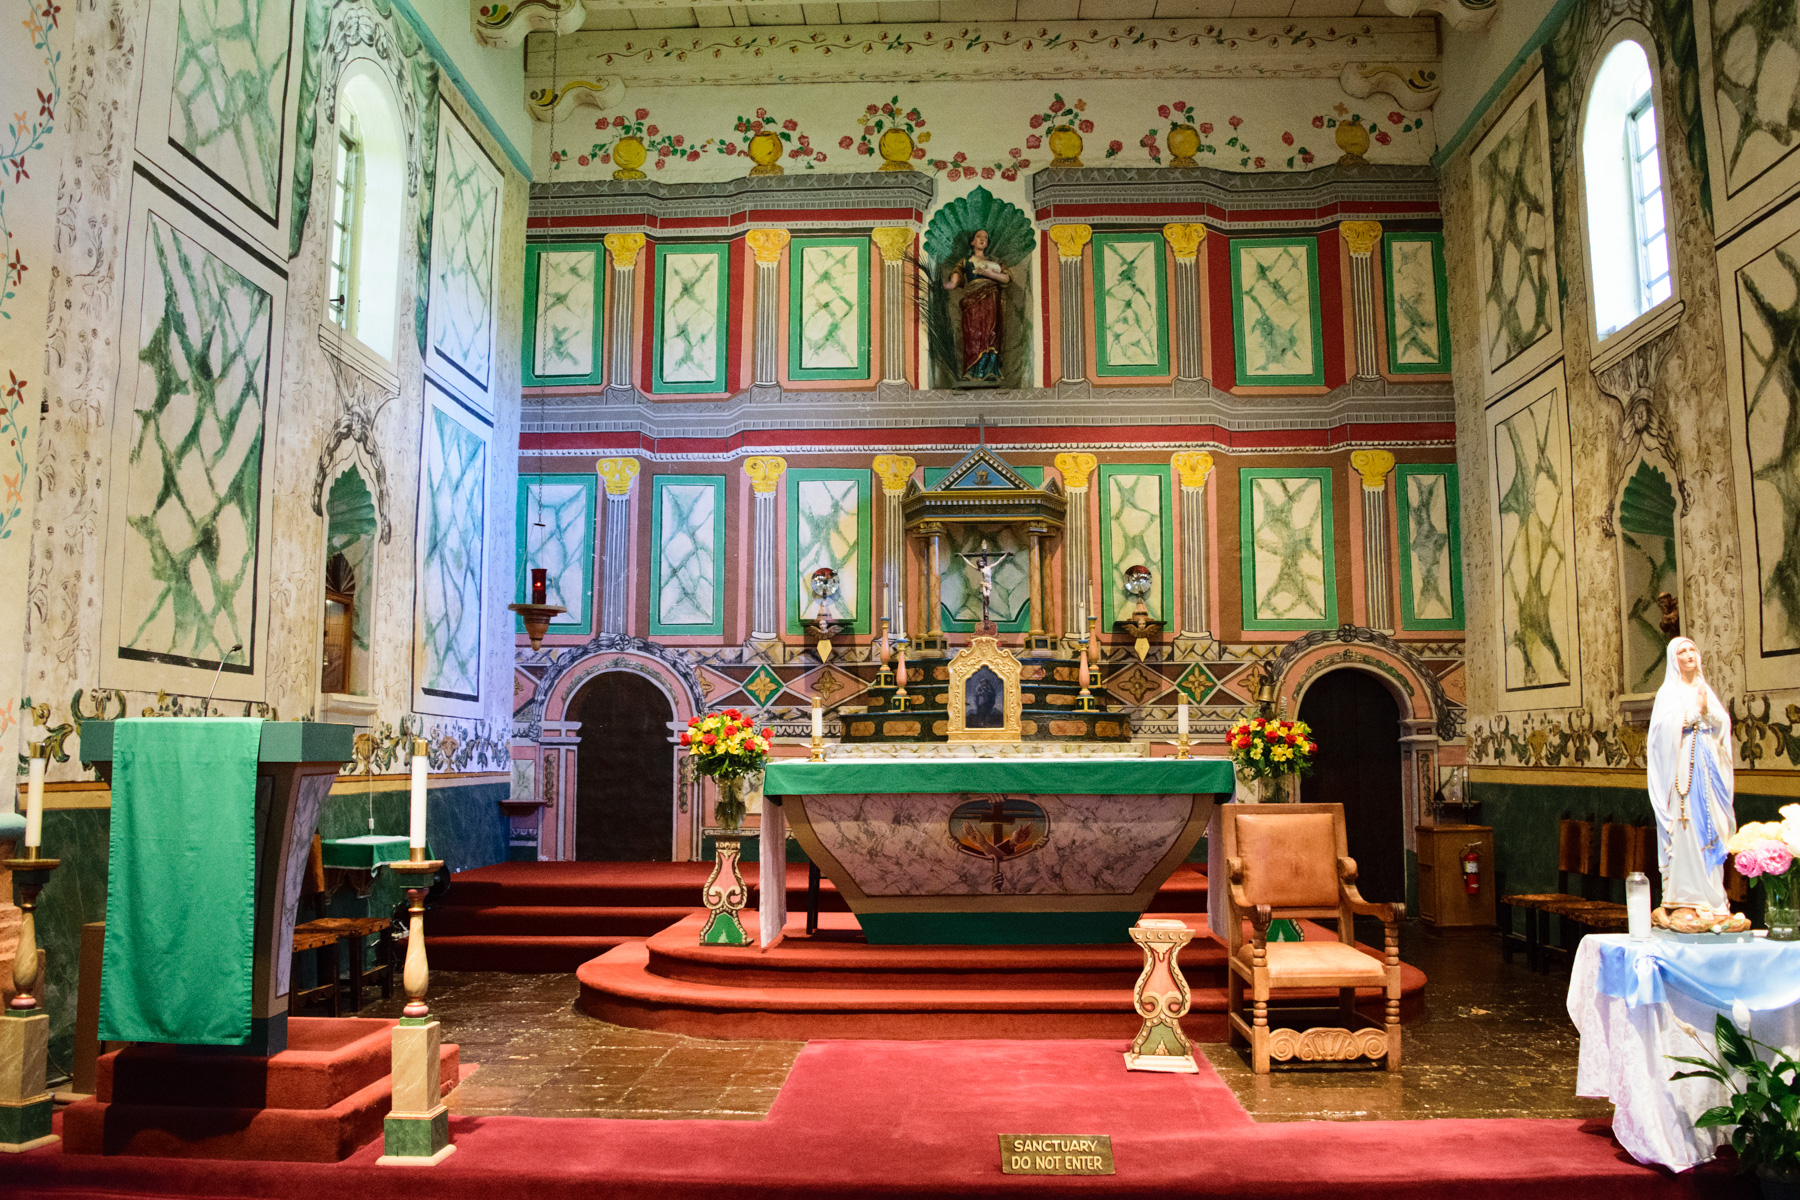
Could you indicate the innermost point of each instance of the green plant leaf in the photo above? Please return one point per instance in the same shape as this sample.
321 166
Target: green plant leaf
1713 1116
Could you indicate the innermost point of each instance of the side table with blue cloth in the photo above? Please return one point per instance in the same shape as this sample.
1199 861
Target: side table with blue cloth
1636 1003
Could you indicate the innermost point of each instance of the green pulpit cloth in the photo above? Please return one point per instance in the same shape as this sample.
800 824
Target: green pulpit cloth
181 881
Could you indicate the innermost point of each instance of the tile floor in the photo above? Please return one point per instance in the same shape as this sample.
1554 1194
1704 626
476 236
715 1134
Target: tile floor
1494 1041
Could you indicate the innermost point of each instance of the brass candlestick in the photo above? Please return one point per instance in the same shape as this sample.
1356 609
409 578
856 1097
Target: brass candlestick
818 732
901 699
1181 745
31 873
1085 701
417 973
884 675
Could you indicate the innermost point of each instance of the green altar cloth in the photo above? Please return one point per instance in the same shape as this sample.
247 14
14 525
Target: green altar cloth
181 881
1074 776
366 851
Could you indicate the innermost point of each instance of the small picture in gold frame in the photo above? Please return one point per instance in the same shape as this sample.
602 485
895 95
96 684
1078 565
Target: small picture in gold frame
984 693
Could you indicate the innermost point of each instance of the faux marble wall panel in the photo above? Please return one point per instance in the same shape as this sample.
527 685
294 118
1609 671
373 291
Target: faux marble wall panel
1417 334
960 585
1532 499
464 247
832 309
232 71
452 535
556 519
828 532
1430 548
689 519
567 296
1287 515
1135 534
1516 255
1130 304
1277 311
691 298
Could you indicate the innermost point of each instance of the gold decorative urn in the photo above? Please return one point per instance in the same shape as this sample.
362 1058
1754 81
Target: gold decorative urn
1353 140
765 151
628 155
1065 143
1183 142
896 146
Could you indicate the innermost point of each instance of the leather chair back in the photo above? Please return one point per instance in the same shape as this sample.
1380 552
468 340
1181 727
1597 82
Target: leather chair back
1290 858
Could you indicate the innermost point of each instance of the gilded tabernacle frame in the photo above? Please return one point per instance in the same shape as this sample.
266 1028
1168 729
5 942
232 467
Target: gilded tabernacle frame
984 693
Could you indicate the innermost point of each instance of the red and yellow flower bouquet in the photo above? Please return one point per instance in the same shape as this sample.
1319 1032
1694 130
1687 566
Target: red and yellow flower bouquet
728 746
1266 746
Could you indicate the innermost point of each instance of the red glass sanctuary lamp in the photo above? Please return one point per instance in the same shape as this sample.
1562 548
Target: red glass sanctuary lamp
537 614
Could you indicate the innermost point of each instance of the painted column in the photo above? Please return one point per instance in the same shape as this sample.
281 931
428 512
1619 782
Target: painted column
1185 241
624 249
1373 466
1360 237
1076 468
615 556
894 242
765 472
1194 467
934 617
895 471
1069 241
767 244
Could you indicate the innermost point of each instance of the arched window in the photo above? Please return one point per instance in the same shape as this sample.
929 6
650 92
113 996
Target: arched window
351 526
1622 172
368 194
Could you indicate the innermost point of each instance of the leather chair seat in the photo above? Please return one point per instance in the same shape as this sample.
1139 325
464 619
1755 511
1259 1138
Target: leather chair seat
1318 964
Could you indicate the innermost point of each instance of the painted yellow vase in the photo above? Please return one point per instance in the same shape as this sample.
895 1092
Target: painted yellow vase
765 152
1183 142
896 146
1353 140
1065 143
629 154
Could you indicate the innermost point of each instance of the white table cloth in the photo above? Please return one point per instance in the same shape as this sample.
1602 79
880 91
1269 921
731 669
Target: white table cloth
1635 1005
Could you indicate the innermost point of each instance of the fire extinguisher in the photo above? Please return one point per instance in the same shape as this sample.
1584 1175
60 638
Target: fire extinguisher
1471 864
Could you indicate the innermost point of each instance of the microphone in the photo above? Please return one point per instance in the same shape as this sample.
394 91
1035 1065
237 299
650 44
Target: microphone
207 711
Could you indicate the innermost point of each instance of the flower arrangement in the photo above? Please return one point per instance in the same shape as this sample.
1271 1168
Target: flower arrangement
1061 112
727 746
883 118
795 144
1181 118
1766 850
1268 746
617 128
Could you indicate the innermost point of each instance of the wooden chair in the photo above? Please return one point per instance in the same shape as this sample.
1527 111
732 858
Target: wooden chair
1620 854
1291 860
351 930
326 985
1575 853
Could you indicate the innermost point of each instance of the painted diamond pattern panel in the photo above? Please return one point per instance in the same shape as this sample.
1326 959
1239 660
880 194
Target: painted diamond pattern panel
686 586
1287 515
1134 517
565 313
231 68
828 538
194 474
1418 327
1756 67
690 318
558 538
463 227
1769 319
830 297
960 589
1427 503
1530 461
1276 299
1133 307
1512 203
455 489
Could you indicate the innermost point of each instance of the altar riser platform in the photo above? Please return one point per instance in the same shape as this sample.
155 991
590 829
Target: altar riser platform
834 985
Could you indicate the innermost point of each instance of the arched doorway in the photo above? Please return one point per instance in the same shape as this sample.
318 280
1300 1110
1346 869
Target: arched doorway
625 770
1356 724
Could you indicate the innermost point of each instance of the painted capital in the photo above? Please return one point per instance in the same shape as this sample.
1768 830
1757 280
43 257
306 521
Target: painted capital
895 471
1360 236
1185 239
618 474
1070 239
1414 86
767 243
1076 468
1373 466
1194 467
624 248
765 472
894 242
554 104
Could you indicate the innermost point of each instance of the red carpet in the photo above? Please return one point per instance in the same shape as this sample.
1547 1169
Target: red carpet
910 1119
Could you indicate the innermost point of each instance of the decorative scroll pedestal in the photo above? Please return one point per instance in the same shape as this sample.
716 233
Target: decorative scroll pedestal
1161 998
725 895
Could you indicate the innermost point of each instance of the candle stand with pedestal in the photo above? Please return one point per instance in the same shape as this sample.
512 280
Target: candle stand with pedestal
25 1101
417 1129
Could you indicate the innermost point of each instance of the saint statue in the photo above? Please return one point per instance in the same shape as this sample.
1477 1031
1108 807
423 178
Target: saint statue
983 282
1688 753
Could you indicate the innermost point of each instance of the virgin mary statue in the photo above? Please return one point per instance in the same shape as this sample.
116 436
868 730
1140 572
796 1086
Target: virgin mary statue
1688 754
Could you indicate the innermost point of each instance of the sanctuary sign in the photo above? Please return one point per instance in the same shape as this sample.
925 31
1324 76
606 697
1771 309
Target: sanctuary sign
1046 1154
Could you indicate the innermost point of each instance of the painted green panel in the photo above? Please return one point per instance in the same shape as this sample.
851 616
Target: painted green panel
464 241
1418 305
828 523
1286 547
828 308
564 314
1131 328
692 305
556 532
1768 290
1530 473
1135 530
193 477
1275 312
687 541
230 91
452 524
1431 594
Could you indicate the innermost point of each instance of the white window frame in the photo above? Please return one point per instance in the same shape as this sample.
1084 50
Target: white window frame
366 244
344 253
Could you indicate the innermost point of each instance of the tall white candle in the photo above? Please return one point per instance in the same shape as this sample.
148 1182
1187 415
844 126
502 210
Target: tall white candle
420 766
1181 718
900 611
818 722
34 801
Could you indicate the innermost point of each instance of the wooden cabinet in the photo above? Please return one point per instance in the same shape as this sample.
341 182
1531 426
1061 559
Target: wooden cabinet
1444 900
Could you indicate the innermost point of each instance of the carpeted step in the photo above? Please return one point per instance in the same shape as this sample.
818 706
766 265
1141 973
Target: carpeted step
554 920
613 885
521 955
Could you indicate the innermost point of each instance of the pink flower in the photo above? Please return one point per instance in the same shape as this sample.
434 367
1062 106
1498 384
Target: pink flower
1306 156
958 157
987 172
730 148
845 142
1056 105
601 123
1776 858
1381 135
918 152
1206 127
1318 122
820 156
1259 160
1037 122
607 157
642 113
582 159
679 139
953 174
1162 110
888 109
1235 122
1114 146
1086 127
1013 153
652 131
874 108
1287 139
756 127
1033 142
1009 174
1749 864
1181 106
693 156
865 148
660 163
790 124
619 121
1395 118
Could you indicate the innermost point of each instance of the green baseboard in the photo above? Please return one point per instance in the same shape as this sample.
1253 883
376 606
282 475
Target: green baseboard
997 928
25 1122
415 1137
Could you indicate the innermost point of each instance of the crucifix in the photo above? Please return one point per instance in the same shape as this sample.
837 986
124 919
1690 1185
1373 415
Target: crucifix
985 559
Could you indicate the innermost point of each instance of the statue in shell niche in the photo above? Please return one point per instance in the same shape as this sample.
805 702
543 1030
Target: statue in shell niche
974 289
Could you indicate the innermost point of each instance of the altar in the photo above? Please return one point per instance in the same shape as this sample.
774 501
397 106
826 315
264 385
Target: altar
965 845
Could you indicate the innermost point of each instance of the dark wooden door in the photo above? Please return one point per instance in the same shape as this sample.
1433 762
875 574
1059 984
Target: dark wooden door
1357 725
625 773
